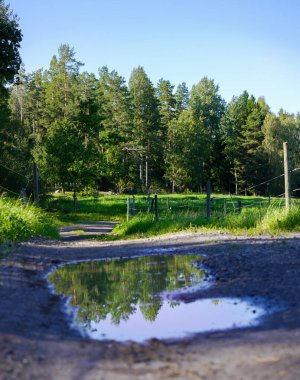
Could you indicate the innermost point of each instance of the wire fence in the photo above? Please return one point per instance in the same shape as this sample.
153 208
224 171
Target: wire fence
208 206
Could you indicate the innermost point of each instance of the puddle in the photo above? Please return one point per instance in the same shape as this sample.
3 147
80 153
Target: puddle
131 299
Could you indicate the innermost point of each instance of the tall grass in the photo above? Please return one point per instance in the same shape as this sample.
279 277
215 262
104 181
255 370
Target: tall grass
250 221
18 222
179 212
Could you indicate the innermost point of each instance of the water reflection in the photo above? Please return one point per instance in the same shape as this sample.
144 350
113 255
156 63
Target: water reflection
116 289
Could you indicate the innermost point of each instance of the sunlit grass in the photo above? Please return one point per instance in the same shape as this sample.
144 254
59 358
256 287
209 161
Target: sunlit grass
178 213
18 222
254 221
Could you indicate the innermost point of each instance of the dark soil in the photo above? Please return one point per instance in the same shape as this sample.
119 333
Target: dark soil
37 342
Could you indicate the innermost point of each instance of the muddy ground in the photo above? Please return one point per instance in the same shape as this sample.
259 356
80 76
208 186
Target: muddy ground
37 342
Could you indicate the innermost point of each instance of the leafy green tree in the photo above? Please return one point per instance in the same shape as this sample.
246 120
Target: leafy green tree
277 130
146 134
10 39
187 152
68 157
11 136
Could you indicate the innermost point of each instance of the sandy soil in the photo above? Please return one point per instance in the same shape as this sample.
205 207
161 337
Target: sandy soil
37 342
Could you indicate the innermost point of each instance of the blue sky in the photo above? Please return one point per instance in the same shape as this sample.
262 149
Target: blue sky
251 45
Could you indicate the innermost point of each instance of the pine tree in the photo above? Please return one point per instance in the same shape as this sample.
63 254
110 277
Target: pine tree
167 113
116 136
232 121
166 103
182 97
62 83
252 164
208 108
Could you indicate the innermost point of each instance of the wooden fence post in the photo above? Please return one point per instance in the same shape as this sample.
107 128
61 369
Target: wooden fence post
225 207
208 204
133 205
74 201
128 209
239 206
287 183
156 208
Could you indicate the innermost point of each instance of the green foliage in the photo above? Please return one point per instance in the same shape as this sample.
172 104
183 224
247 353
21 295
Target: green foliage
98 132
207 107
243 138
88 208
250 166
18 222
182 97
187 151
65 154
10 37
146 127
250 221
115 135
278 220
62 84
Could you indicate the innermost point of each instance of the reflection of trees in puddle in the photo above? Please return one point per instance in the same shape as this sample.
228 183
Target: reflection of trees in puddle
118 286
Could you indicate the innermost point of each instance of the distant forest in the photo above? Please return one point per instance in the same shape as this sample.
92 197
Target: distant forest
86 131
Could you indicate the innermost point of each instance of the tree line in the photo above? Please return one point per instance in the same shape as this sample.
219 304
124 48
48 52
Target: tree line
96 131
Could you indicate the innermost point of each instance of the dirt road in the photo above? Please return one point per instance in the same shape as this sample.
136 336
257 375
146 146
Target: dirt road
37 342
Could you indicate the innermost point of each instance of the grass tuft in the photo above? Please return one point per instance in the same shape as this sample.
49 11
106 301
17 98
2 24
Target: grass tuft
18 222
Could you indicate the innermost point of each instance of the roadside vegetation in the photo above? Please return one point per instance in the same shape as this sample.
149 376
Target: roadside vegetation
255 221
177 213
18 222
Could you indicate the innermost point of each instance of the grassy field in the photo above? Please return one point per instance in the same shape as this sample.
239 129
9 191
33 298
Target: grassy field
178 212
18 222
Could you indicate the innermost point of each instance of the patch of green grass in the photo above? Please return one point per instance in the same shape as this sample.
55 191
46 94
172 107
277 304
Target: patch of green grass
279 220
177 213
114 207
249 221
18 222
87 209
78 232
